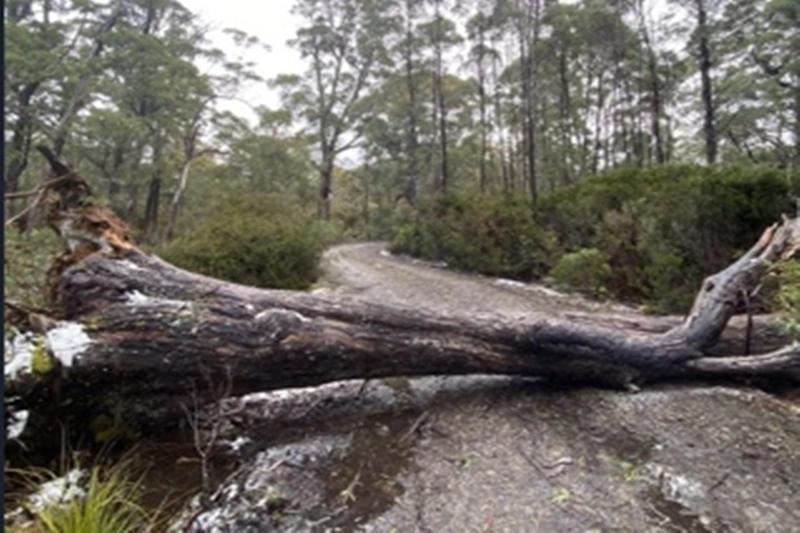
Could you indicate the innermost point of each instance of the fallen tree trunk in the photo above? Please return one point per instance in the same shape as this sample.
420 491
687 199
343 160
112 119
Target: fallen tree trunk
138 338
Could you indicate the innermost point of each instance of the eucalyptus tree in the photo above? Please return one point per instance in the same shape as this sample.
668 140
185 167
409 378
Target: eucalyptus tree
342 41
653 80
701 45
54 53
759 108
441 35
527 16
481 55
155 111
409 48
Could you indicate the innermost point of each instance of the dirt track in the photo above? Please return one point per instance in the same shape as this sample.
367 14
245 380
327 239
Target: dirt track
369 270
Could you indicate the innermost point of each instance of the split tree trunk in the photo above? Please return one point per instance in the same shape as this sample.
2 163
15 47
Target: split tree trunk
139 338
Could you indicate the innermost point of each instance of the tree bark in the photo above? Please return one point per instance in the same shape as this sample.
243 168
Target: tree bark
656 104
410 191
140 338
709 122
153 204
482 103
438 87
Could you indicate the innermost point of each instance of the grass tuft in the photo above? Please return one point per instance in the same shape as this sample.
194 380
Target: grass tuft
98 500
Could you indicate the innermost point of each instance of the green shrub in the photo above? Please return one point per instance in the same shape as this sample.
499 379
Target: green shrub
495 236
255 241
787 298
659 229
27 258
663 228
585 271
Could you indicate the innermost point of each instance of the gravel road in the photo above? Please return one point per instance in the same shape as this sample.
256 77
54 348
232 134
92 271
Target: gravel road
368 270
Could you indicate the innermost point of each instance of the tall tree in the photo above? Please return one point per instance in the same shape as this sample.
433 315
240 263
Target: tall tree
654 82
528 19
441 35
341 40
52 57
701 39
409 46
481 54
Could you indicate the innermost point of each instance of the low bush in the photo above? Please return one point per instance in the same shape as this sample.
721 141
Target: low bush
27 259
787 298
664 228
489 235
255 241
659 230
585 270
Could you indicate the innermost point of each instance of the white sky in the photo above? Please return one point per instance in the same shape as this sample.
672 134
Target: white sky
268 20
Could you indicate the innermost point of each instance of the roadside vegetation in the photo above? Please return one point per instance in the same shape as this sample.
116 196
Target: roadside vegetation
645 236
256 241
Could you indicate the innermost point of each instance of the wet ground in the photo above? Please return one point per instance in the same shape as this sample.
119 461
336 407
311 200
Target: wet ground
497 454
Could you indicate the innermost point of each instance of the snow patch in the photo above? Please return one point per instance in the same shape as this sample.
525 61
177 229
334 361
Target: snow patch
15 428
275 313
59 491
509 283
127 263
238 443
18 355
136 298
67 341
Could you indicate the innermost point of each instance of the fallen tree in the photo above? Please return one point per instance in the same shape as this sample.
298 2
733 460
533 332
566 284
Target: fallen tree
136 339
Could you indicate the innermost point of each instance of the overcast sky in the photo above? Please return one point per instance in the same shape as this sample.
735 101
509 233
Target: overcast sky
271 22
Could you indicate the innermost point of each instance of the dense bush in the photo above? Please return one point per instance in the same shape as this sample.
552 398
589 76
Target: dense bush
482 234
787 299
659 229
27 258
255 241
664 228
585 270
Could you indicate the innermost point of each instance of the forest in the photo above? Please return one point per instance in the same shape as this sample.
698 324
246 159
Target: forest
625 150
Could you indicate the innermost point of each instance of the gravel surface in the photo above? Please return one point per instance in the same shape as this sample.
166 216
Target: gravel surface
372 272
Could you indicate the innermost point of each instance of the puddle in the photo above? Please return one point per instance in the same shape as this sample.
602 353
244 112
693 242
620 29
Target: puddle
362 483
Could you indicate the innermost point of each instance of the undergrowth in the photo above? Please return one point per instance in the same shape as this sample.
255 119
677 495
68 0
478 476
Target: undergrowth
100 499
27 258
258 241
639 235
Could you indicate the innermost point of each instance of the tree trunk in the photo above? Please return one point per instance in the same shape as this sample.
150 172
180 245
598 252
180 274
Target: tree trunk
22 132
796 91
153 204
656 104
483 175
412 142
140 338
709 126
525 27
177 198
440 101
565 117
326 186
